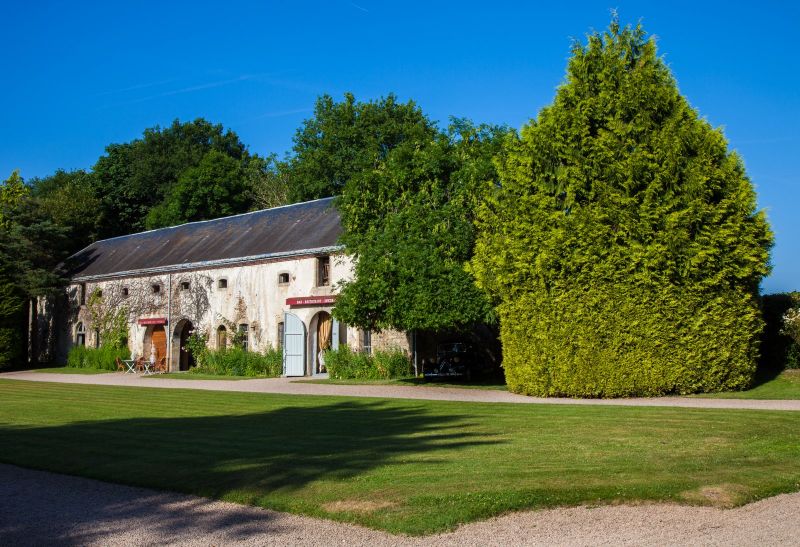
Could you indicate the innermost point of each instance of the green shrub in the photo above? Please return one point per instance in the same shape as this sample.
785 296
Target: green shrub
793 357
778 350
343 363
11 347
393 363
103 358
235 361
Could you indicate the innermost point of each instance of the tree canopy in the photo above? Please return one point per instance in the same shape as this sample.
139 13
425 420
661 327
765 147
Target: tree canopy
344 138
31 246
623 243
213 188
408 224
68 198
134 177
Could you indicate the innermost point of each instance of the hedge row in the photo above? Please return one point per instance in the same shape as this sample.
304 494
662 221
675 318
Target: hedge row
602 342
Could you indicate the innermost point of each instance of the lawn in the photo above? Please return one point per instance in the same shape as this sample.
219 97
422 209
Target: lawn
399 465
784 386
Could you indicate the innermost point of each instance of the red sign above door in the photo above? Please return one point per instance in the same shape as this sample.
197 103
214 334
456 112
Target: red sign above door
153 321
311 301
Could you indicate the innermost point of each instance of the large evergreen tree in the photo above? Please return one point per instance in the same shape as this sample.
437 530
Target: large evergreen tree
623 244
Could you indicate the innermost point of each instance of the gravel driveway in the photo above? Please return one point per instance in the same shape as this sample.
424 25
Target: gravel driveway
295 387
39 508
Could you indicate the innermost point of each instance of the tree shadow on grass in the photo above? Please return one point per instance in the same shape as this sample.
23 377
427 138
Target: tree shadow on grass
263 458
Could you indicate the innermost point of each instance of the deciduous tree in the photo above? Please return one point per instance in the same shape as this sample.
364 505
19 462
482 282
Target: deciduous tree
133 177
344 138
216 187
408 224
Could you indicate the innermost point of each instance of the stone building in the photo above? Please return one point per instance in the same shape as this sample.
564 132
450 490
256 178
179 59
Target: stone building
271 275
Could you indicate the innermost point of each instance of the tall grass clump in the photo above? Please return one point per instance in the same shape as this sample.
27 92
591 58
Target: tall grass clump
235 361
102 358
344 363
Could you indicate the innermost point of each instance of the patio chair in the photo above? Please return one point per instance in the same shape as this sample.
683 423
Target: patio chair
120 365
161 365
139 366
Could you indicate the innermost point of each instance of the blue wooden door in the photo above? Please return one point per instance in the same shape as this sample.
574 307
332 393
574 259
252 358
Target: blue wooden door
294 345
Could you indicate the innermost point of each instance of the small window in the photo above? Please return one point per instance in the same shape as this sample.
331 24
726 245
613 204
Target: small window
280 335
222 337
323 271
96 338
367 344
99 293
243 335
283 278
125 291
82 294
185 285
222 283
156 288
80 335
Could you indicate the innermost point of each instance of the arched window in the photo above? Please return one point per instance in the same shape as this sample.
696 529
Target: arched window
80 335
222 337
96 338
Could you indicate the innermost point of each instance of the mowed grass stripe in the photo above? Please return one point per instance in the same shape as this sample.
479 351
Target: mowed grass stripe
399 465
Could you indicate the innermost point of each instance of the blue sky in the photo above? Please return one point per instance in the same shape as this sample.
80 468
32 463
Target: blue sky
76 76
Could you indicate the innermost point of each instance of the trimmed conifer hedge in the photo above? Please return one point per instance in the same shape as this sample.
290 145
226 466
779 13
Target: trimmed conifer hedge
623 245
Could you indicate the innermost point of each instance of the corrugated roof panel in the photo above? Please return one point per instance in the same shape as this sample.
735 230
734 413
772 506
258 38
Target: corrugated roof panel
288 229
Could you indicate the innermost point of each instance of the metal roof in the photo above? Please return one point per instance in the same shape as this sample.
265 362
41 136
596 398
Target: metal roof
301 228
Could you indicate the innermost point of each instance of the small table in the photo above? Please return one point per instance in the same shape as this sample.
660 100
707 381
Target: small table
148 367
130 363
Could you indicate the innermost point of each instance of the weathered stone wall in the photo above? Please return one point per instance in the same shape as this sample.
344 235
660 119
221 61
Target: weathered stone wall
253 296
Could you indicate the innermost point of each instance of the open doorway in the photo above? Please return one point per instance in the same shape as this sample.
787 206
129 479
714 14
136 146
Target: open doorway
321 341
155 343
182 358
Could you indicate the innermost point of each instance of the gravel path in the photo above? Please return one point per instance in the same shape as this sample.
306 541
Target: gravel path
39 508
295 387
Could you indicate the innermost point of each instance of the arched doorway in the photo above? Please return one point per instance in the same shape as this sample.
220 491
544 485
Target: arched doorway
155 338
222 337
321 340
182 358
